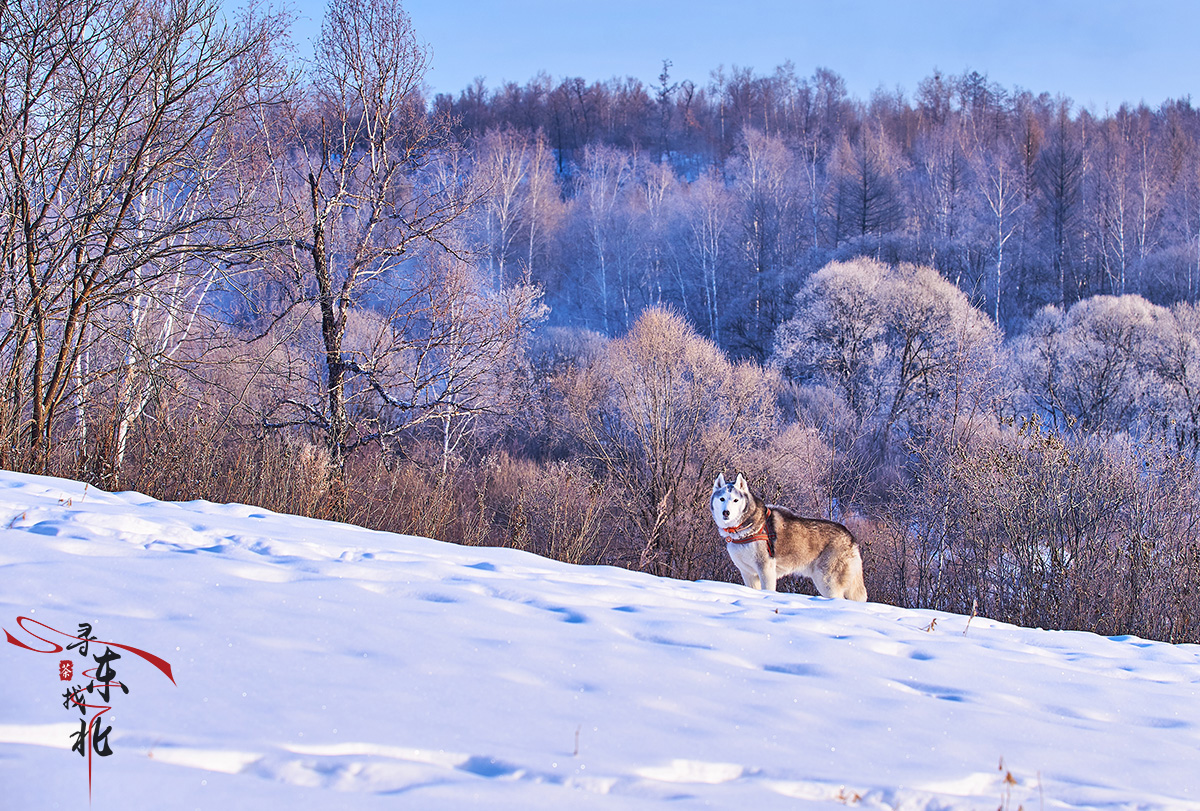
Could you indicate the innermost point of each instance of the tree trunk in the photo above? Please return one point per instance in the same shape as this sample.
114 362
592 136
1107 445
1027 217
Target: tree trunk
332 329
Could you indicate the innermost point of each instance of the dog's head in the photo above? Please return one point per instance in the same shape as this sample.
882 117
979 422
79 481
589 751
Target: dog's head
730 502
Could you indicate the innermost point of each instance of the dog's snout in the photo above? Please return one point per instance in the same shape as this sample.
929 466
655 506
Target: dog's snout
724 513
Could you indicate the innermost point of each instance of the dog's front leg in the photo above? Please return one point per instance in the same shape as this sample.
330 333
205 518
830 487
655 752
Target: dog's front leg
769 575
749 573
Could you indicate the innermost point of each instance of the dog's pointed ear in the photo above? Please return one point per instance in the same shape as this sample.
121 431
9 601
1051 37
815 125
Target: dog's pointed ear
741 484
719 483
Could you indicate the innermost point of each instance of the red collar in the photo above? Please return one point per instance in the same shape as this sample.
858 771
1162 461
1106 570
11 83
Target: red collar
760 534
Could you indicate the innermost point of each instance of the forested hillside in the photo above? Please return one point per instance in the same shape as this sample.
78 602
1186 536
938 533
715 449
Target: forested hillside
756 180
963 322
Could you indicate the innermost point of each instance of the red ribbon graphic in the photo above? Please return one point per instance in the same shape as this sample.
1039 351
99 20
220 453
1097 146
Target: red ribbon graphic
162 664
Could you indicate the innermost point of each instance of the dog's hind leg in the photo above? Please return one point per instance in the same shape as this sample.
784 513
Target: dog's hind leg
848 588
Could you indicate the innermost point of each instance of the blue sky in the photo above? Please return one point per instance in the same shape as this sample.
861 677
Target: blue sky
1099 53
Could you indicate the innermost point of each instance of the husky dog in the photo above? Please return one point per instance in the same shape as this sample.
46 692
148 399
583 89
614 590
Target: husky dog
768 542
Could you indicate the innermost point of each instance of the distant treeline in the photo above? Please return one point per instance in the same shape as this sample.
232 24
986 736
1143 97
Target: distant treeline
1022 200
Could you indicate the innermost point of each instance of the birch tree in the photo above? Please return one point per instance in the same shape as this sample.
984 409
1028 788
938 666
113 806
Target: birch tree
604 173
762 179
707 213
374 191
501 165
543 208
116 127
999 181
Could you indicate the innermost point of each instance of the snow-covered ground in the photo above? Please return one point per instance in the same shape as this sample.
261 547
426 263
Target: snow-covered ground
321 665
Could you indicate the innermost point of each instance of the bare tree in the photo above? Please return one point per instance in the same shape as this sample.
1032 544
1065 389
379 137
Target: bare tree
116 127
1059 173
865 194
604 173
998 177
944 174
707 213
501 164
365 177
1041 527
663 410
462 358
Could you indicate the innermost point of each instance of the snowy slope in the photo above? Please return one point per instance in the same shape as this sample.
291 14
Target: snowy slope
321 665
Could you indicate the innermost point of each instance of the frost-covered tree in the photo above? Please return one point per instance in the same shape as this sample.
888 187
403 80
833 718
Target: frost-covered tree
836 334
501 165
901 344
1173 354
604 174
543 208
763 180
705 214
1088 367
